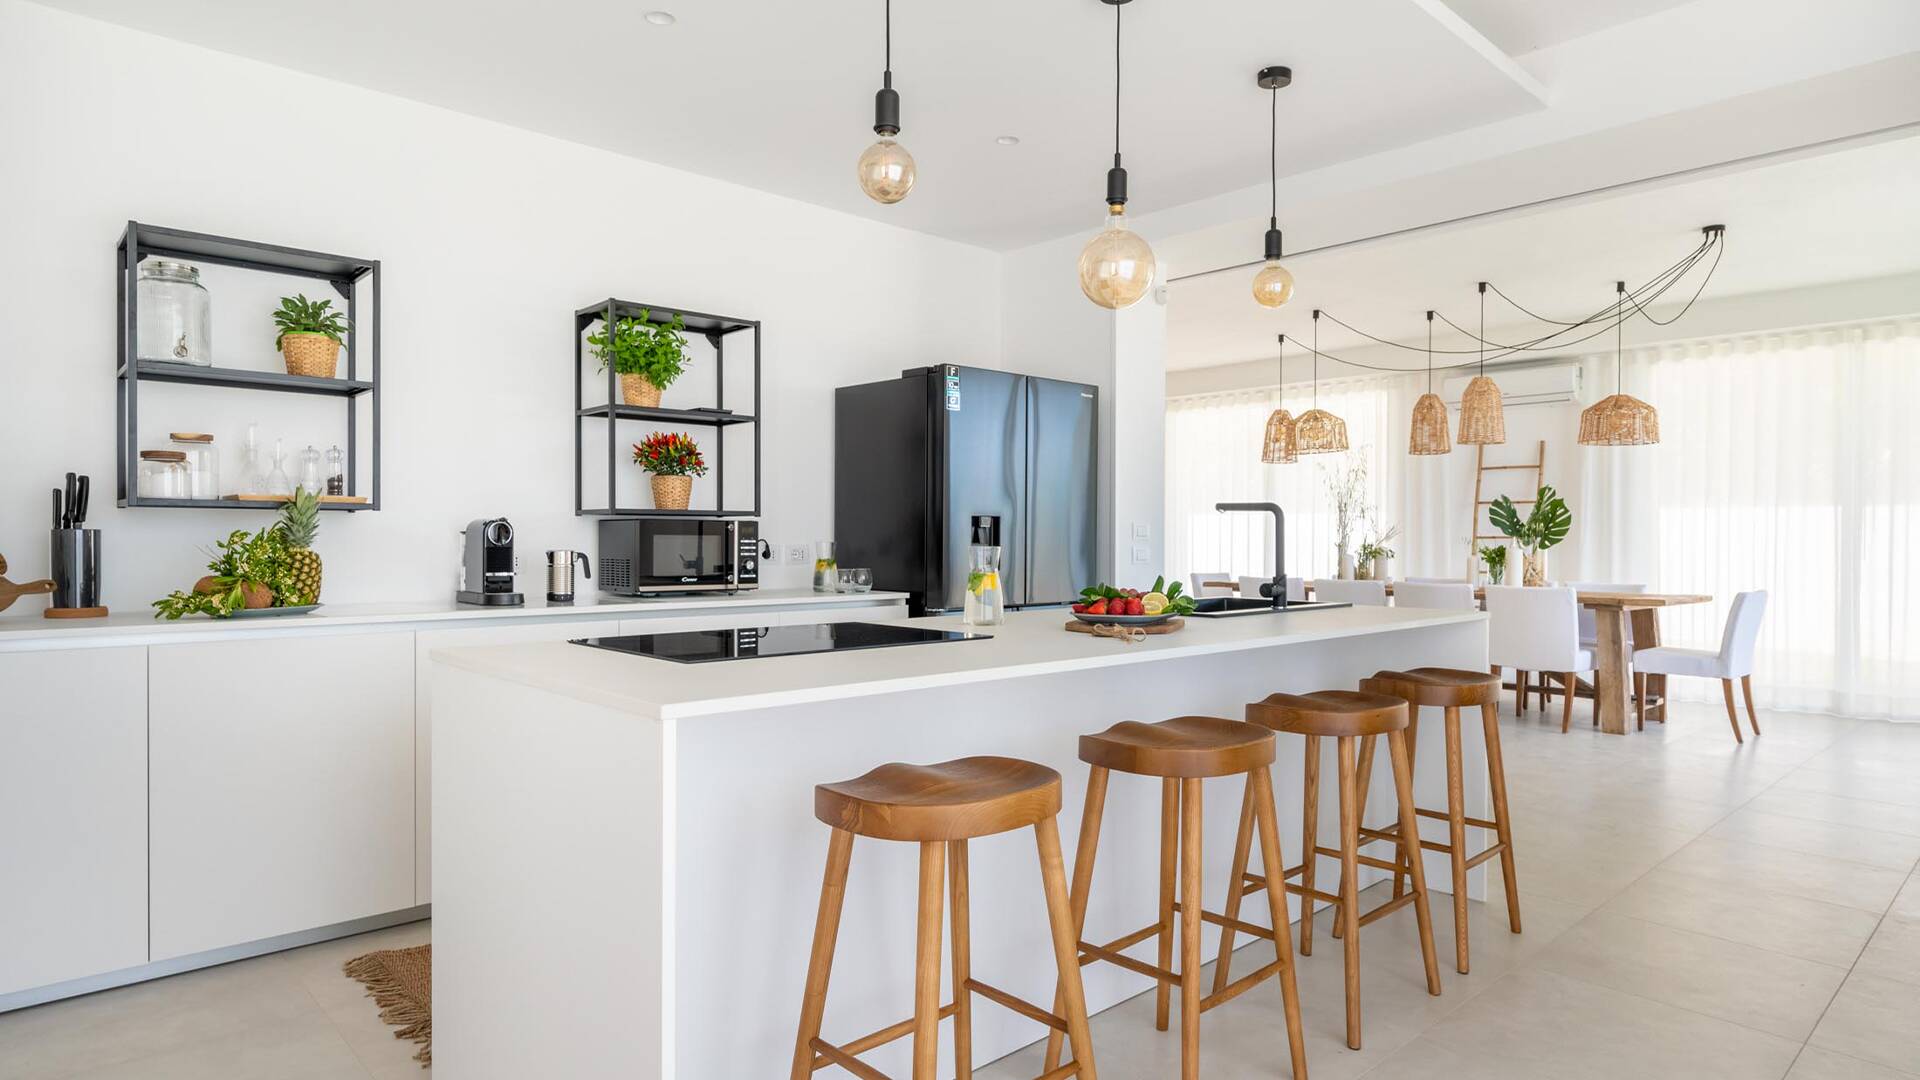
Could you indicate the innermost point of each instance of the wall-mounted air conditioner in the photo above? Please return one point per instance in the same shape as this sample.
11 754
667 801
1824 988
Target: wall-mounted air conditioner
1550 384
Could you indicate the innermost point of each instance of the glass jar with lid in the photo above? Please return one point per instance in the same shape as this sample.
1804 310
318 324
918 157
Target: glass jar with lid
203 462
175 324
164 475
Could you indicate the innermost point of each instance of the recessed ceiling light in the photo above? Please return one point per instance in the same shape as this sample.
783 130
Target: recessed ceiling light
661 18
1008 140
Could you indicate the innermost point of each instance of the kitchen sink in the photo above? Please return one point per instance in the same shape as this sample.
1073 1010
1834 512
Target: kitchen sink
1222 607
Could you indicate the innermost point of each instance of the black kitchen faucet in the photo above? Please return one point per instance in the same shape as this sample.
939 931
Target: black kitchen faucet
1277 588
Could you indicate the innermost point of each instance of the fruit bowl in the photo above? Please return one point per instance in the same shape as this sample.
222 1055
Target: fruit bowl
1125 620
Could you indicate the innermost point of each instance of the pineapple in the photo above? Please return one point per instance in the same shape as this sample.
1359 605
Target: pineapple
299 521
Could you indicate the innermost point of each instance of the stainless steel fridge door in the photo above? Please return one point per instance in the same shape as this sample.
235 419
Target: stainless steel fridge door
983 415
1062 548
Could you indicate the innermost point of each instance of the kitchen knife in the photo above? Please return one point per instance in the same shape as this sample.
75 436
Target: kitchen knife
80 510
73 493
58 521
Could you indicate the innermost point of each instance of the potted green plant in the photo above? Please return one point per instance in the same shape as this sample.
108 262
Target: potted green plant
1494 558
674 460
309 338
647 355
1545 527
1374 556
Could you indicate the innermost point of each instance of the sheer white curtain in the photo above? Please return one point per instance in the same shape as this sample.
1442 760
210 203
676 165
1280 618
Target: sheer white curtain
1213 455
1789 462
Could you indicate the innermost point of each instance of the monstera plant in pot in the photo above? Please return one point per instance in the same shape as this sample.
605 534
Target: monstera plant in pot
648 356
309 338
1545 527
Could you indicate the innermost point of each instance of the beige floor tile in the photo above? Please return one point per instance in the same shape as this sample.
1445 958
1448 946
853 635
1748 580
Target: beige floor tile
1894 951
307 1049
1561 1027
1796 926
1875 1019
1769 991
1889 851
1814 877
1816 1063
1899 790
1839 809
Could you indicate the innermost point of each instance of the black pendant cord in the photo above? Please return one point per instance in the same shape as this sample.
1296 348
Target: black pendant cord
889 45
1482 336
1316 358
1619 338
886 103
1116 83
1429 352
1273 160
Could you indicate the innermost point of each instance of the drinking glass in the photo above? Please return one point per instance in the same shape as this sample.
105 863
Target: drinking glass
825 578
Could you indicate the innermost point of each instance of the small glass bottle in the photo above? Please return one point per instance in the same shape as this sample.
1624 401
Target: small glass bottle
277 482
175 322
336 471
203 462
311 477
253 477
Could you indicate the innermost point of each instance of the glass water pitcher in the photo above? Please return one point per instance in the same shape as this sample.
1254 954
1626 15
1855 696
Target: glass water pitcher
986 597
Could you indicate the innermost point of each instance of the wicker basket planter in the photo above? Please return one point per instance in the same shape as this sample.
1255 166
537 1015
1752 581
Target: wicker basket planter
315 355
672 492
636 390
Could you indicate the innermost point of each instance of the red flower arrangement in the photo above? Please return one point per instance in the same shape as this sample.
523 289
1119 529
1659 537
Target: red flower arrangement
670 454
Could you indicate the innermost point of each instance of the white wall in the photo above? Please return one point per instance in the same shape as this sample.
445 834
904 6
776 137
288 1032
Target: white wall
490 237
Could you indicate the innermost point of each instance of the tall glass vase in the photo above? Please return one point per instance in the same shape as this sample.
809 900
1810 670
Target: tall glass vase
1533 566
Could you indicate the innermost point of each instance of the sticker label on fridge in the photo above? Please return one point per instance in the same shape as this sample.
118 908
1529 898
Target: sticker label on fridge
953 388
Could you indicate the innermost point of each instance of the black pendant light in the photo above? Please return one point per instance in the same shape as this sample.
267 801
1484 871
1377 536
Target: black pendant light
886 170
1273 285
1117 266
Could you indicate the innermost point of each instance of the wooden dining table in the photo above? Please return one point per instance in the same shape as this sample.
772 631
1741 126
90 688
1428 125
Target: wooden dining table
1612 613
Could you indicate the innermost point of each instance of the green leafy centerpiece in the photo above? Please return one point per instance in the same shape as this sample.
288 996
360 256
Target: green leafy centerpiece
1545 527
275 567
674 460
648 356
1494 558
309 338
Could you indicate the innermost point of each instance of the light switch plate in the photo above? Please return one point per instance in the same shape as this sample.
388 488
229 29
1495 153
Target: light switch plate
1140 531
1139 553
796 553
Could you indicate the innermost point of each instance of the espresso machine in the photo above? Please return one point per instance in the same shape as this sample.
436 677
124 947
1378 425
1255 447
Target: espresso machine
489 565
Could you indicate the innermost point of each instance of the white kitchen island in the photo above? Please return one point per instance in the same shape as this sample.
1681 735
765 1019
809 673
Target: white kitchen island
627 865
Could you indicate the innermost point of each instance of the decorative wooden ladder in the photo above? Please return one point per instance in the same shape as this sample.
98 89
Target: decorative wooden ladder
1539 469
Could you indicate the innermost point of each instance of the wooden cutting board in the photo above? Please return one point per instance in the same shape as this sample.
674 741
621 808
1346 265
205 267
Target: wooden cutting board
1168 627
9 592
325 500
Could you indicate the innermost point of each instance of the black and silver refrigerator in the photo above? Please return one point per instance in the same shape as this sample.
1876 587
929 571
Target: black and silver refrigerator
941 458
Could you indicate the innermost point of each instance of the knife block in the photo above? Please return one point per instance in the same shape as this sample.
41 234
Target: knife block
76 575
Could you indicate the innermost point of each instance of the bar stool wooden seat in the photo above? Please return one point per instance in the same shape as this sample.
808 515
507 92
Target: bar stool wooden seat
1452 690
1182 752
1347 717
941 807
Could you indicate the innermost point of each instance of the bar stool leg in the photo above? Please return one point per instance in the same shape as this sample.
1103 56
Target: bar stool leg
826 930
1520 694
926 964
1237 885
957 901
1363 781
1169 851
1261 791
1066 947
1409 827
1190 921
1083 854
1309 843
1457 837
1503 829
1350 885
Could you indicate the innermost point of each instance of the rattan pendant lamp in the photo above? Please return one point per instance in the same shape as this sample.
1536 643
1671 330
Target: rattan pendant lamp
1619 419
1483 419
1279 447
1318 431
1429 434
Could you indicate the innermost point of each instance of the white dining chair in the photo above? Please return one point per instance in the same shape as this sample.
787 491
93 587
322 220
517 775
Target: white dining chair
1733 660
1589 623
1199 579
1424 594
1536 629
1251 586
1434 581
1296 590
1357 593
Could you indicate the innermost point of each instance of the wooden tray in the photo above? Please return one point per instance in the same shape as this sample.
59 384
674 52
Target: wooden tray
1166 627
325 500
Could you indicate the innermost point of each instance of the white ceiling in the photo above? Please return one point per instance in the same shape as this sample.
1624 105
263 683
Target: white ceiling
1841 216
778 95
1519 28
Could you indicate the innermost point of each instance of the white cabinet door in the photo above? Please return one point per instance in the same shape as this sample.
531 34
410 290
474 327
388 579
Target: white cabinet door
426 641
281 786
716 620
845 613
73 814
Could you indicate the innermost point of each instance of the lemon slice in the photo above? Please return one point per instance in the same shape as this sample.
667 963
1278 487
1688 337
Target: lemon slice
1153 604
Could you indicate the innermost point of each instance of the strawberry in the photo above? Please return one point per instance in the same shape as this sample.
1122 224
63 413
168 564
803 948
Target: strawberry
1079 609
1134 606
1098 607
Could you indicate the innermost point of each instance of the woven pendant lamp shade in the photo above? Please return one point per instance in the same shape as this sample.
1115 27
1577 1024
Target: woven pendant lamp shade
1429 427
1619 420
1318 431
1279 447
1483 420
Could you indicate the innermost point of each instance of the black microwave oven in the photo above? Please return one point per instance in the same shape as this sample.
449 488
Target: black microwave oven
665 556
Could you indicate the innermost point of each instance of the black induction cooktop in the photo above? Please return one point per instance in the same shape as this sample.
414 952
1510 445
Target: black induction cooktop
748 642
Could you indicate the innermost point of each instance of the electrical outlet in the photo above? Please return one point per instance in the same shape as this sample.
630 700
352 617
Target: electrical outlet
1139 553
796 553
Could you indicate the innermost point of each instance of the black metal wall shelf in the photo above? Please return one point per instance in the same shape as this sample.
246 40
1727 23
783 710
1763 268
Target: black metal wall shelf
715 329
342 272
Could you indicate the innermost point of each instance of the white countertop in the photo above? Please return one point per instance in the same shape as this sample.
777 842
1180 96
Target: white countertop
32 630
1030 643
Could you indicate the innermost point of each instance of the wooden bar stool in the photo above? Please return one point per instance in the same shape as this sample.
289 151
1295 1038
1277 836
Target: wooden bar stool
941 807
1452 690
1346 716
1182 752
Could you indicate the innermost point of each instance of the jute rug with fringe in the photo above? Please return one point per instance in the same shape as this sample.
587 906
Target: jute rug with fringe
400 981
